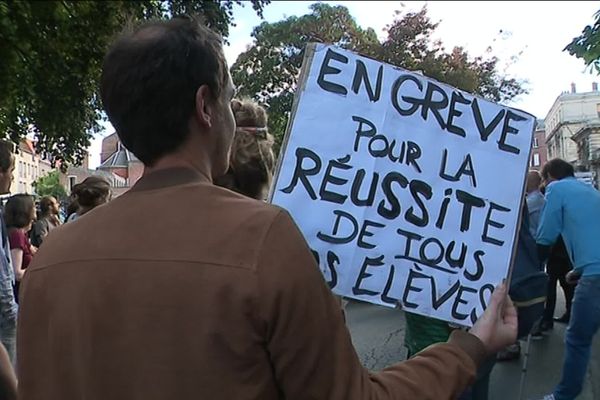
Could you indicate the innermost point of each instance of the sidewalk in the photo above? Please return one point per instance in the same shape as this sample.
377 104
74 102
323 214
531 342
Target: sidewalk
544 367
378 333
543 370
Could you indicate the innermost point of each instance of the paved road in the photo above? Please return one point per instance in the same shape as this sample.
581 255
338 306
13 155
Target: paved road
378 333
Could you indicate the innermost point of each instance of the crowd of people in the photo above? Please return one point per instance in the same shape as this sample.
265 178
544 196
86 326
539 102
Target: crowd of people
188 287
25 224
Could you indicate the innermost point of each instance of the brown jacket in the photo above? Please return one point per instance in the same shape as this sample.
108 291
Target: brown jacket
182 290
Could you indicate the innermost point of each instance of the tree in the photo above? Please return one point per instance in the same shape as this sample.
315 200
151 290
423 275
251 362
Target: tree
50 60
268 71
50 185
409 44
587 45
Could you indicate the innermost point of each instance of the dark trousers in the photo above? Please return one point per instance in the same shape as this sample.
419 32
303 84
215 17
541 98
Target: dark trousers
480 389
569 290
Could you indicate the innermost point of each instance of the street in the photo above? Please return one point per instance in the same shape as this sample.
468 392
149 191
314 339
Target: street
378 334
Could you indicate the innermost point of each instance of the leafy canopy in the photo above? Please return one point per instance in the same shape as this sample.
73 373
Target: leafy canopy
50 59
268 71
587 45
49 185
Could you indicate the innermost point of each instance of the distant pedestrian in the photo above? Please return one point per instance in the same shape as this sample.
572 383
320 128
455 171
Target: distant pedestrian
48 220
71 208
19 213
572 211
535 200
89 194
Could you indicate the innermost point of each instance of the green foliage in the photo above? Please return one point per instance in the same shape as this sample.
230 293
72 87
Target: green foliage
50 59
587 45
49 185
269 70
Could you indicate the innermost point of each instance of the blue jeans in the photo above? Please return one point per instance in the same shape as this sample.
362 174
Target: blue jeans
8 337
584 323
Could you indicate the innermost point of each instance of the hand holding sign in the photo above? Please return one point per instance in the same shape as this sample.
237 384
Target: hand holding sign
497 327
408 191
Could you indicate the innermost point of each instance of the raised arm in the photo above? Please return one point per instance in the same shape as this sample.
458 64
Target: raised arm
311 349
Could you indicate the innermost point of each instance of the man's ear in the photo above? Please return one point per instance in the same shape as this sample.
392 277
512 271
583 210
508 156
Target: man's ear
204 110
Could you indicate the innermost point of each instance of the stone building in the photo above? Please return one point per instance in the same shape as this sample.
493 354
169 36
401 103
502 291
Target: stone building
116 159
29 166
587 139
539 151
569 114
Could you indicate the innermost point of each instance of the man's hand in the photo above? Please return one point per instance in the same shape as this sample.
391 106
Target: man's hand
497 327
572 277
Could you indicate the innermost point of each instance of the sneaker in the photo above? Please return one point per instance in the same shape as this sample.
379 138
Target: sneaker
537 335
564 319
512 352
546 326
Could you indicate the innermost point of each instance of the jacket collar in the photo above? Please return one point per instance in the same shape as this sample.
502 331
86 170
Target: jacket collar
169 177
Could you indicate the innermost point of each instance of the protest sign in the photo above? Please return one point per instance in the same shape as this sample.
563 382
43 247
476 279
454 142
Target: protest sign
407 190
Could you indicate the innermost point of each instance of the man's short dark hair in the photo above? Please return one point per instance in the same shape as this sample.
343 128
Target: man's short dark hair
150 77
6 155
557 169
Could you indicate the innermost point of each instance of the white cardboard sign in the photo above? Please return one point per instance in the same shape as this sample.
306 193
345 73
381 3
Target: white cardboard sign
407 190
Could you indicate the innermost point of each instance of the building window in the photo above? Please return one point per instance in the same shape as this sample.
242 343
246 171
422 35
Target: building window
598 110
72 182
536 160
535 143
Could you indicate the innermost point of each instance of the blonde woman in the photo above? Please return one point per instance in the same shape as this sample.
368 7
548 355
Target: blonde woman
252 159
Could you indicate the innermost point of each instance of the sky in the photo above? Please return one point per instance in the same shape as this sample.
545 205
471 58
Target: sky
535 32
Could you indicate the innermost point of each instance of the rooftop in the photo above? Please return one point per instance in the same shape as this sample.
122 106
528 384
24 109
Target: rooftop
119 159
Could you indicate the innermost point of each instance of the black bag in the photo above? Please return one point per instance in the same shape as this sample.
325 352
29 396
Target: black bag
529 283
38 231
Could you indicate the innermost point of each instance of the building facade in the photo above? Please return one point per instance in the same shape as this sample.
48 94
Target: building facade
588 150
29 166
539 151
569 114
116 159
77 174
119 167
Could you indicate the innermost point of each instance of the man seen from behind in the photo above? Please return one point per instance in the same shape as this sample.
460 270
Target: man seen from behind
180 289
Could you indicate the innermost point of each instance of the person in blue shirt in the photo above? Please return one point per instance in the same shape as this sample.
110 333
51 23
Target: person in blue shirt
572 210
8 305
